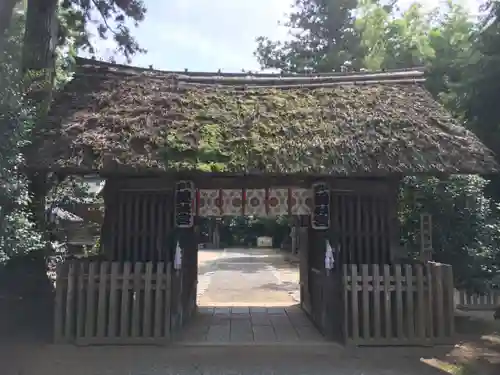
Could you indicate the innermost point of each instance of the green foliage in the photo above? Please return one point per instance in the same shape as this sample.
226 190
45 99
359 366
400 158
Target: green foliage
243 231
480 89
466 225
371 23
391 41
452 41
72 190
441 41
17 232
76 18
111 17
323 38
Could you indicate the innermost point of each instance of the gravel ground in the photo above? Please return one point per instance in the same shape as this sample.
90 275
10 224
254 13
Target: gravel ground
300 360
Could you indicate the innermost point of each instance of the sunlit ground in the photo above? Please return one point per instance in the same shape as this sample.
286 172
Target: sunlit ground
472 356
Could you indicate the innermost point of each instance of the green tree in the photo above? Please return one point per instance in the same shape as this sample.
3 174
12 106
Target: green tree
77 18
30 32
111 17
17 232
480 89
452 42
465 230
371 24
391 41
323 38
53 23
441 41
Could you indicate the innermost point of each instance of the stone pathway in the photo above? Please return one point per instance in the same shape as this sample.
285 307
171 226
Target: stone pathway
248 296
244 325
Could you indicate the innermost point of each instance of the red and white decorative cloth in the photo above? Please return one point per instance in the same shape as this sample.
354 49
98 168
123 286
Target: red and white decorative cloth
277 202
255 203
232 202
209 202
300 201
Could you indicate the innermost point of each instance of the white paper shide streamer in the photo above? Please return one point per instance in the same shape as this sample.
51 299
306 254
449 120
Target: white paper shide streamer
329 259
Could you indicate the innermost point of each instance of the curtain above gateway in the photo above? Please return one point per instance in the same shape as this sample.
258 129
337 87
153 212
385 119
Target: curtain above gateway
255 202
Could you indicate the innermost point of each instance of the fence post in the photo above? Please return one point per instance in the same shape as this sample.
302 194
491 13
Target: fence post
58 306
354 302
450 307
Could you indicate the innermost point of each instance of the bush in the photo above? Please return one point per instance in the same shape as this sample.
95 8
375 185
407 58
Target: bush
465 225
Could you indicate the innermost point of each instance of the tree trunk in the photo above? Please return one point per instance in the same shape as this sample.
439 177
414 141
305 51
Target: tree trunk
40 40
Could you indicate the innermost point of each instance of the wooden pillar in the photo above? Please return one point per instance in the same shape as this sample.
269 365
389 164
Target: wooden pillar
425 237
210 228
304 269
296 235
185 279
106 245
397 252
216 235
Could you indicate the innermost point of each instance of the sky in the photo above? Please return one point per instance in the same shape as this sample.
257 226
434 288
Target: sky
208 35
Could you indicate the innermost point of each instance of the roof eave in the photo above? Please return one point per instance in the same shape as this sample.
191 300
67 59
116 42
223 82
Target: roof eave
145 171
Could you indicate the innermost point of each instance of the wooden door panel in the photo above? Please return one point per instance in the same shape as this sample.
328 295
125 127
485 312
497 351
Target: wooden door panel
305 295
316 291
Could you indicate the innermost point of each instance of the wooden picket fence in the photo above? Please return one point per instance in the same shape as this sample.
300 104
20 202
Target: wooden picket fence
398 304
474 301
100 302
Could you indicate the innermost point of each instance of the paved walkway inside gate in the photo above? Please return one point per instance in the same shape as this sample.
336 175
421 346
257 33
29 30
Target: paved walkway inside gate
249 296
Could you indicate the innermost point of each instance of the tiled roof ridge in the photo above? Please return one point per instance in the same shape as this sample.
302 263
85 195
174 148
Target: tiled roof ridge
256 80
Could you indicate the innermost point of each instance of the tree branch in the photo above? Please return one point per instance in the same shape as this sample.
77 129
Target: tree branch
104 18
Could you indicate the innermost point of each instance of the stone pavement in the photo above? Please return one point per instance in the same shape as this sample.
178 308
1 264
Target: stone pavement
248 296
244 325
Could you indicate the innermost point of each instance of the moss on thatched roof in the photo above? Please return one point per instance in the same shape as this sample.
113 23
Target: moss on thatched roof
120 118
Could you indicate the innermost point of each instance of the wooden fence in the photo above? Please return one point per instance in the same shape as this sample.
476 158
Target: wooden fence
112 303
398 304
475 301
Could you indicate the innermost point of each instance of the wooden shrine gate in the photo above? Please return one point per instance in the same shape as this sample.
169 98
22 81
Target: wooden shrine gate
142 287
320 293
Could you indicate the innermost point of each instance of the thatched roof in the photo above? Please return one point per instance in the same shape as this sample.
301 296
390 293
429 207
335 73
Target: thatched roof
117 118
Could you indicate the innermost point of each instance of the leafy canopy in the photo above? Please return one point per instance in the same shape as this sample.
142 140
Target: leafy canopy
322 38
109 17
